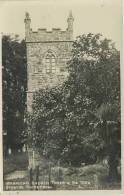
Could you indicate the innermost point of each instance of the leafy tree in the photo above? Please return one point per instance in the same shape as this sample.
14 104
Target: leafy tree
13 88
80 121
108 126
44 123
94 87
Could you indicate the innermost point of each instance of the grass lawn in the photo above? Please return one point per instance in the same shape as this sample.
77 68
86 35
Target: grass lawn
90 177
13 162
88 173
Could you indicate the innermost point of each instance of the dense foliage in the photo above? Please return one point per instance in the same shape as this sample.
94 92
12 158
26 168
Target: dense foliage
79 122
14 80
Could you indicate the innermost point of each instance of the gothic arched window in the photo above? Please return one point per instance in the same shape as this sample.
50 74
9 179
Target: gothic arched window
50 62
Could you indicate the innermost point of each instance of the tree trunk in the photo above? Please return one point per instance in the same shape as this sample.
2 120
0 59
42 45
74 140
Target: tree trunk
113 163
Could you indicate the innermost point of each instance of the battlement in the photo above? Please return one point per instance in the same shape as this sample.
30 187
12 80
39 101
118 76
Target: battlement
42 35
42 29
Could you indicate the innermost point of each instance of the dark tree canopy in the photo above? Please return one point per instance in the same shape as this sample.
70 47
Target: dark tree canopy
14 81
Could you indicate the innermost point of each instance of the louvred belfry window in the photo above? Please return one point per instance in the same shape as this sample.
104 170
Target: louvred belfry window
50 63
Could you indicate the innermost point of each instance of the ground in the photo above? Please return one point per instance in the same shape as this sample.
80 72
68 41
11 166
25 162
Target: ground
51 176
14 162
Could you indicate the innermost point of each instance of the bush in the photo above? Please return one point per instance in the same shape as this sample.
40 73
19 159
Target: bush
93 169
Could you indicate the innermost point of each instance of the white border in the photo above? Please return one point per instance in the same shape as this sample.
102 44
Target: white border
66 192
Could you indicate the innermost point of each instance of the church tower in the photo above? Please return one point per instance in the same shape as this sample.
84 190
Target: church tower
47 55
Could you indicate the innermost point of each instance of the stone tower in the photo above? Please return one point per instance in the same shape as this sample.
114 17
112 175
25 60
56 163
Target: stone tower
47 56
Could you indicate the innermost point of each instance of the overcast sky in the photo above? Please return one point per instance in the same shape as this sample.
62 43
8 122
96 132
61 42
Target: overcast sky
96 16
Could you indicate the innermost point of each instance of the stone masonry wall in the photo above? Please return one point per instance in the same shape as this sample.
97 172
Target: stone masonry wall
37 76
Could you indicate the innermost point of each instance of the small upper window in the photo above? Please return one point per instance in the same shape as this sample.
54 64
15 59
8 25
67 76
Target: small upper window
50 63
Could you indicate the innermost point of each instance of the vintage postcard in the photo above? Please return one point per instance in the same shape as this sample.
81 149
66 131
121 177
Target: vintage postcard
61 100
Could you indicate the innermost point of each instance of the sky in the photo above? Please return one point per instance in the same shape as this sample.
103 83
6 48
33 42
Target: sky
95 16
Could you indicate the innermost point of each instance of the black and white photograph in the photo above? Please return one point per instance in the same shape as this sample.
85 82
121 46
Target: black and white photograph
61 95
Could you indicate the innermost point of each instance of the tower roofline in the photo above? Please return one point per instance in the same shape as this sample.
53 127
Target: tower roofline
56 34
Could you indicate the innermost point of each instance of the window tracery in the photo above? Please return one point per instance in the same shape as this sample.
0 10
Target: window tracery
50 62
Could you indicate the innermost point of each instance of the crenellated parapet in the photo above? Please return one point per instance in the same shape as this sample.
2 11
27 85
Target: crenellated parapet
42 35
